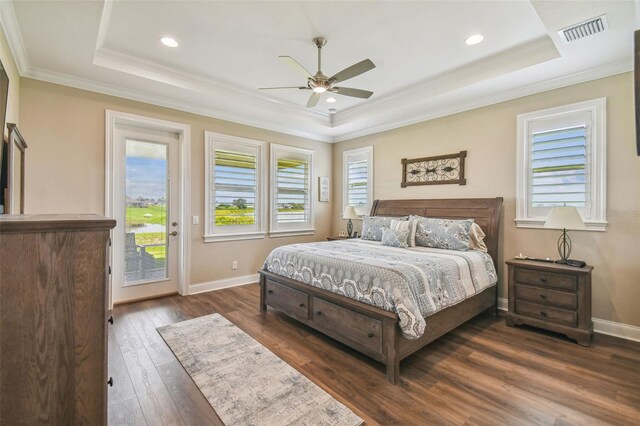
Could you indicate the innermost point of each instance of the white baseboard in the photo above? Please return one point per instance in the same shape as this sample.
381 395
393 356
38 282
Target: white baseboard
616 329
224 283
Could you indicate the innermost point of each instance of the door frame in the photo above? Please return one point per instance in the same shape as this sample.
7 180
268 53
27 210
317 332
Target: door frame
114 118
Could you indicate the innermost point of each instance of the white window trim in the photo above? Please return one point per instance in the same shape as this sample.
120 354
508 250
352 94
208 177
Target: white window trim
209 145
368 150
597 158
274 232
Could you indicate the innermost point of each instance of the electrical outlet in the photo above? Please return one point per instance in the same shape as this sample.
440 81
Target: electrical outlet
234 264
195 220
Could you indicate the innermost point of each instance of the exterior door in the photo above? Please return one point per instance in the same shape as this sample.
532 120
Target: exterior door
146 208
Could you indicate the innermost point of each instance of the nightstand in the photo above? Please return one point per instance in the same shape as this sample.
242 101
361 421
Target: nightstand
551 296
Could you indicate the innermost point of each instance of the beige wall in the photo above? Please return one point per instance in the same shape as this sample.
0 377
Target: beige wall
489 136
13 104
65 130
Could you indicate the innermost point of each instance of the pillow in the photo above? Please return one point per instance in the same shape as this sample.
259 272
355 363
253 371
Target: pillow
372 226
395 237
444 233
406 225
477 236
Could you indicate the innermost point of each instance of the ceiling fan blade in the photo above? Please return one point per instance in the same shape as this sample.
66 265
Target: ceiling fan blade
355 93
281 88
313 100
353 71
295 65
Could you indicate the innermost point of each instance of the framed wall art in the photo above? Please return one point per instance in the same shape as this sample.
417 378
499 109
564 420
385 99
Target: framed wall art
437 170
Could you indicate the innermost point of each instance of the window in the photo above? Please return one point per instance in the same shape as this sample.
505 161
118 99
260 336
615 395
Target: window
561 160
233 188
291 191
357 178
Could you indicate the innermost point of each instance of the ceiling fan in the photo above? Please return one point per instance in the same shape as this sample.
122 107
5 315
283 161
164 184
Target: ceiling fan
320 83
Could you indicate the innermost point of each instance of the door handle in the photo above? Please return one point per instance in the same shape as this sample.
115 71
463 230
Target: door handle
174 233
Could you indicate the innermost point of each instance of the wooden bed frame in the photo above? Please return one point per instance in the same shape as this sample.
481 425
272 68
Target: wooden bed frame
374 331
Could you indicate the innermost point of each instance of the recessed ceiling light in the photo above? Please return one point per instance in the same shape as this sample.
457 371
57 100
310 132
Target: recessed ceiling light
169 42
474 39
331 100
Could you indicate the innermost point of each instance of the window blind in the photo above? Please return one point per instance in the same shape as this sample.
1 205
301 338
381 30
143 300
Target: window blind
235 188
357 183
292 191
559 168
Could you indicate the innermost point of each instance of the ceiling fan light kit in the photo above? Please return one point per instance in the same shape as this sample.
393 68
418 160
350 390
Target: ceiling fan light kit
320 83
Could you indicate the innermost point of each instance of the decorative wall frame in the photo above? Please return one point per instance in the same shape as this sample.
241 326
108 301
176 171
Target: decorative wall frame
437 170
323 188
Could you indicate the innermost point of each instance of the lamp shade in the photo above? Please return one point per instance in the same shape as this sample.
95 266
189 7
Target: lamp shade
565 217
350 213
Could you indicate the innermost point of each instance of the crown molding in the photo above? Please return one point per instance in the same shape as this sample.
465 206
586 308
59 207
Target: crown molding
253 110
9 24
522 56
207 111
416 113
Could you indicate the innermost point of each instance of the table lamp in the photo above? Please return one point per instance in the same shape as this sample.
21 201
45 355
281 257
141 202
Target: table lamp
564 217
350 213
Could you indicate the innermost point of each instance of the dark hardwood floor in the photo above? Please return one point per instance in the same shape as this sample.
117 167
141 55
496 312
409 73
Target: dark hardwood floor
483 373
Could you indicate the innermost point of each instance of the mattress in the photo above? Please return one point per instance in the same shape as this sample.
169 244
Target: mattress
413 282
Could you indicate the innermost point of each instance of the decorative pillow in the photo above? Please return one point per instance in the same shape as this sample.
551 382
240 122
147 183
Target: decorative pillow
406 225
444 233
395 237
477 236
372 226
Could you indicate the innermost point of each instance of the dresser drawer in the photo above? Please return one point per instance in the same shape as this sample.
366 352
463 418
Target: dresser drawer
288 300
547 313
356 327
543 296
546 279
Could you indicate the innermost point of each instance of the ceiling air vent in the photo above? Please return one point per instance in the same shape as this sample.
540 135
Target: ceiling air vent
584 29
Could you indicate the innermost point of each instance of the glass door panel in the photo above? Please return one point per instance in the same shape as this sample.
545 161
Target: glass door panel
146 207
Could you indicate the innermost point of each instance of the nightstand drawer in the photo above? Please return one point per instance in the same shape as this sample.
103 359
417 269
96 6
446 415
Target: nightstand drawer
546 313
547 297
546 279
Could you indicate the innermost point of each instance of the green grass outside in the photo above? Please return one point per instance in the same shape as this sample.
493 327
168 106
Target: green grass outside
135 215
159 253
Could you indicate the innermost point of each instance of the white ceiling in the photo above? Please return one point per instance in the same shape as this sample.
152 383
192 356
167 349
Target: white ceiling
230 48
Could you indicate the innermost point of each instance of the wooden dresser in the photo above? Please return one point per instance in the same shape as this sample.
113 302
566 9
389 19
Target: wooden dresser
551 296
53 319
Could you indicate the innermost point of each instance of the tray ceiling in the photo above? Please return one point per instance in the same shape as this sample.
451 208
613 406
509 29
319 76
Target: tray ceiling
227 49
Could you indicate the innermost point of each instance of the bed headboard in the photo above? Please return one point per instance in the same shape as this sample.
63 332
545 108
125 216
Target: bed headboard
484 211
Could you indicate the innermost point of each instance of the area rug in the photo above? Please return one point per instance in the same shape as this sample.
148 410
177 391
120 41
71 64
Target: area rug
245 383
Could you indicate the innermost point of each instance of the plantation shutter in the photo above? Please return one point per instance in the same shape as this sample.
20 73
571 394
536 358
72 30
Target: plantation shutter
292 191
357 183
235 188
559 167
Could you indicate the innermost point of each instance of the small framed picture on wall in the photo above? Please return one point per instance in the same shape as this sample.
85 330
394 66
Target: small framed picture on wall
323 185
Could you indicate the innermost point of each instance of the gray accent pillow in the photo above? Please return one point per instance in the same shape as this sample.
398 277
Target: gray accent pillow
372 226
443 233
395 237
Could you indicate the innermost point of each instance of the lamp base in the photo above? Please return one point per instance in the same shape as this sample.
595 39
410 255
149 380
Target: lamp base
349 228
572 262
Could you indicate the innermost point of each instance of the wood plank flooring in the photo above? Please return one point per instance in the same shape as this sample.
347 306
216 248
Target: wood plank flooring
483 373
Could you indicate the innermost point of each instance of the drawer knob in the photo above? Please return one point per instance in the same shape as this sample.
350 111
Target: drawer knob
543 313
110 381
543 296
302 305
319 313
370 334
544 280
270 291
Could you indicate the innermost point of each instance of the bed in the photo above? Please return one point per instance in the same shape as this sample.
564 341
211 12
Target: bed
383 334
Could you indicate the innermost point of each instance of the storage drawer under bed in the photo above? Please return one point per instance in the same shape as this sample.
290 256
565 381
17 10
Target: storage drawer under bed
288 300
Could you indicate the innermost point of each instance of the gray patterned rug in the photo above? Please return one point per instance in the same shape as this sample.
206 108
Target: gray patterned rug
245 383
